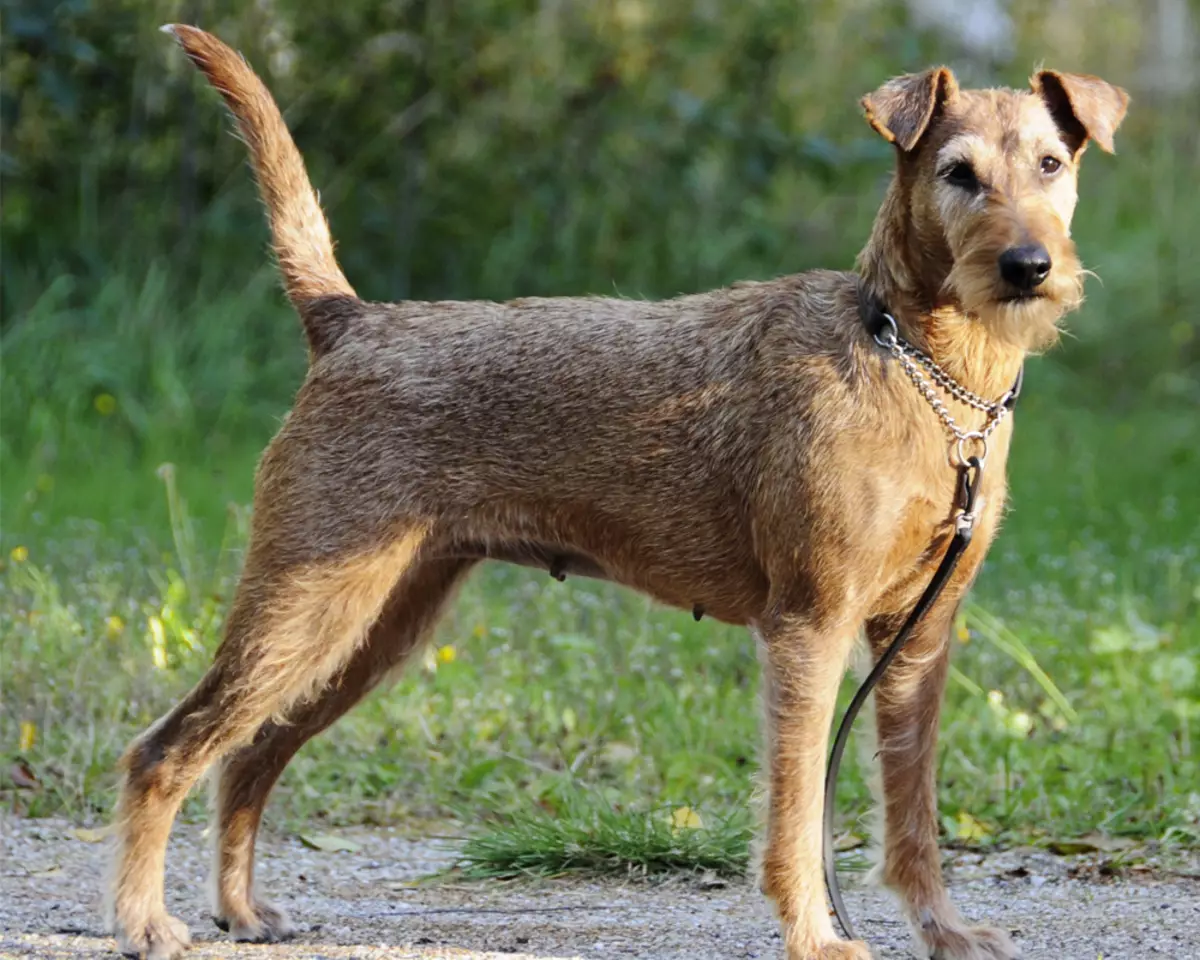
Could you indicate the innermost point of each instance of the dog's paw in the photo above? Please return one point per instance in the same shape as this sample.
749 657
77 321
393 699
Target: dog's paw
969 943
160 938
259 923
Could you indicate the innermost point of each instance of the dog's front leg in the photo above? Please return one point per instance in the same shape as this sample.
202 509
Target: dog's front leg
907 710
803 664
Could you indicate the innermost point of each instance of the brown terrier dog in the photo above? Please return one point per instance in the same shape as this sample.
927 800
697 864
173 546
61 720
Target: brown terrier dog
751 451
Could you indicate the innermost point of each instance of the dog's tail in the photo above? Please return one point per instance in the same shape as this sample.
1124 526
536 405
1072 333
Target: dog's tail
298 228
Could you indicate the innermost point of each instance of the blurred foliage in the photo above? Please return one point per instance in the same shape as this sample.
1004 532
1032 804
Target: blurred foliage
461 148
500 147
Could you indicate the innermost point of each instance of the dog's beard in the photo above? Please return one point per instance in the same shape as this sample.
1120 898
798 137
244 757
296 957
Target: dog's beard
1030 322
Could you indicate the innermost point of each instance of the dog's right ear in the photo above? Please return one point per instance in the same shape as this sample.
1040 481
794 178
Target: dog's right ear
903 108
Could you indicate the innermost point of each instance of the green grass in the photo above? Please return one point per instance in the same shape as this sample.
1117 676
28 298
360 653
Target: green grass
568 718
589 838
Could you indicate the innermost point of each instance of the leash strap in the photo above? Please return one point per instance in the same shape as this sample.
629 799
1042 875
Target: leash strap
970 475
876 319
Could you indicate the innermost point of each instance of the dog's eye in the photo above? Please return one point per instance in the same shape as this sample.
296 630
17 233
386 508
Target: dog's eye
1050 166
961 174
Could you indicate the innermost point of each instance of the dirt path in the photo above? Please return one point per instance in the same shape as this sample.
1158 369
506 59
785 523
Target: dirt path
365 905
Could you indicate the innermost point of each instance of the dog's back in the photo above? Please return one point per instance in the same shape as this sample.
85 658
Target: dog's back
476 415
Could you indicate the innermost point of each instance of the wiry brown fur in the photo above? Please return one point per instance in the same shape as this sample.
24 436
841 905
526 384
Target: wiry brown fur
750 451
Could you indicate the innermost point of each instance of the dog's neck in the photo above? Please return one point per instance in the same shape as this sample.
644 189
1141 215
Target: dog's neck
958 342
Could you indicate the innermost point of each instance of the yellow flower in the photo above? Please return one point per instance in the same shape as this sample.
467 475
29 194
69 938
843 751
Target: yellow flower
28 736
685 818
967 828
19 554
446 654
113 626
105 404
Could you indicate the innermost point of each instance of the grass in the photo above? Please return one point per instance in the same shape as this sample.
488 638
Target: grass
587 838
568 721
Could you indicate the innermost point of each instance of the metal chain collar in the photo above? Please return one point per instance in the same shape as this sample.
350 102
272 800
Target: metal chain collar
966 443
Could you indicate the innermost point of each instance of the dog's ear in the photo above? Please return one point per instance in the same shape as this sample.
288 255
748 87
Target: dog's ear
1084 107
903 108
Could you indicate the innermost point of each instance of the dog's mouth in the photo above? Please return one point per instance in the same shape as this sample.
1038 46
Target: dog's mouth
1023 296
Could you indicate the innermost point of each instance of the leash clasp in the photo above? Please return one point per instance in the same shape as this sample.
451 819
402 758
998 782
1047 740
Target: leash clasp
970 474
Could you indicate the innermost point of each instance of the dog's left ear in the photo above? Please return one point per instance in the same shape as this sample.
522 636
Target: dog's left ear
1084 107
903 108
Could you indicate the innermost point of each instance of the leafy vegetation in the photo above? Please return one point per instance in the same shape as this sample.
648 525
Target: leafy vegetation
493 149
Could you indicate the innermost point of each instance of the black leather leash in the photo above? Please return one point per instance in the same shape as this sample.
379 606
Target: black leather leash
970 473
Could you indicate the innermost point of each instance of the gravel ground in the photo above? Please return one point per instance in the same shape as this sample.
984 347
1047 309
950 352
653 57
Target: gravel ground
367 904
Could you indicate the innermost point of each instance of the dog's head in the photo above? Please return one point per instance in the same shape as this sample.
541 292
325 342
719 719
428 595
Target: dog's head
987 183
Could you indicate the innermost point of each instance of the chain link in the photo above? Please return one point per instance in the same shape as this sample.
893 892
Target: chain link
913 360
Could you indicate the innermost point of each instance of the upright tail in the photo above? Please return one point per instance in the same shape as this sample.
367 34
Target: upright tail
298 228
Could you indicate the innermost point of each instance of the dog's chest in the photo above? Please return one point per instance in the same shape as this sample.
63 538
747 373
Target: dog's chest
922 531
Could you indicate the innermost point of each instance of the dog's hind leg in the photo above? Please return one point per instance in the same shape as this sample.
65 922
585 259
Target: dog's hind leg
293 625
908 704
245 778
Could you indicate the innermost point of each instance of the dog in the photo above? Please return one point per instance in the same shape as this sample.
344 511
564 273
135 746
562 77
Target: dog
751 453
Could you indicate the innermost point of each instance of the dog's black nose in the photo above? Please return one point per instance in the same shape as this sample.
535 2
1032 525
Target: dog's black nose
1025 267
